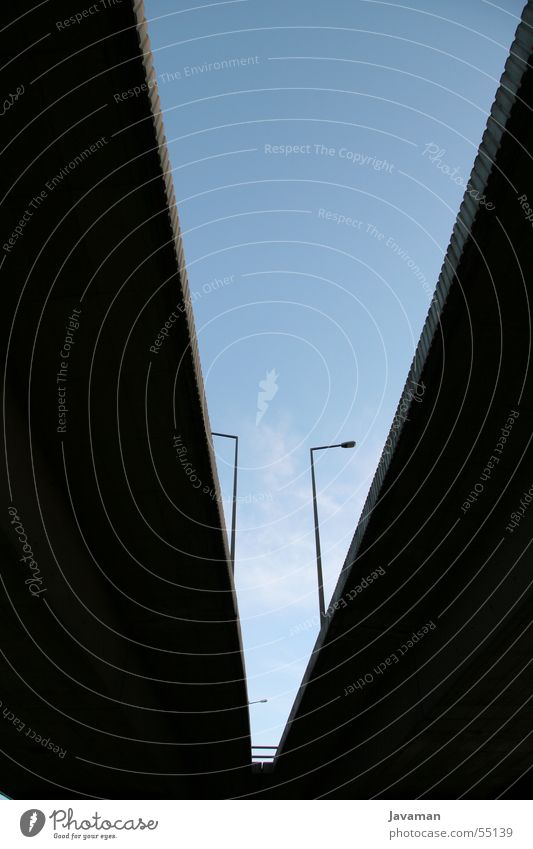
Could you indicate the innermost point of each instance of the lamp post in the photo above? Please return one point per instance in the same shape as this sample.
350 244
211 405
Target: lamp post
350 444
234 508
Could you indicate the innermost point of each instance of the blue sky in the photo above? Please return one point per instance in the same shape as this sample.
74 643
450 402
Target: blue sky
320 152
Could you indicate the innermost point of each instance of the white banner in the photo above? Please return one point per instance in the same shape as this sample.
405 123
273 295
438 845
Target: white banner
267 824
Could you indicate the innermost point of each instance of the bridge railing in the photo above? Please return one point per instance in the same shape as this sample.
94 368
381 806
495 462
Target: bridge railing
263 754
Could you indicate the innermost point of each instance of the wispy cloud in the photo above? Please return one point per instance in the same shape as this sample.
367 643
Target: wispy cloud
268 388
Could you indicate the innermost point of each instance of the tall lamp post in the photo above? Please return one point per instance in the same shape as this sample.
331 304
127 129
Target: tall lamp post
350 444
234 508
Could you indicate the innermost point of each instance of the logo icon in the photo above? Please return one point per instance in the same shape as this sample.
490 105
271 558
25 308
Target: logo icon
32 822
268 388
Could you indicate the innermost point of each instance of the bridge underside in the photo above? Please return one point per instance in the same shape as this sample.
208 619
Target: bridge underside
449 519
121 663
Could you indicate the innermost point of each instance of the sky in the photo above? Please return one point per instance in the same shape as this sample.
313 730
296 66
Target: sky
320 152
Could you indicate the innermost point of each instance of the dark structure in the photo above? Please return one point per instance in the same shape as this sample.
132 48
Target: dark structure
446 712
122 672
120 639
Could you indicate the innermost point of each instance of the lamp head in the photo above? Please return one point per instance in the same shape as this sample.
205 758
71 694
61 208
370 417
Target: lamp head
350 444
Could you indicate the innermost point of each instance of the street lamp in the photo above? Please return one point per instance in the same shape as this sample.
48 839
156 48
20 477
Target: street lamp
350 444
259 702
234 509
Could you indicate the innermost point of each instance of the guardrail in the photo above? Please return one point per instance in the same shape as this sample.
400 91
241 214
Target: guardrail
257 757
